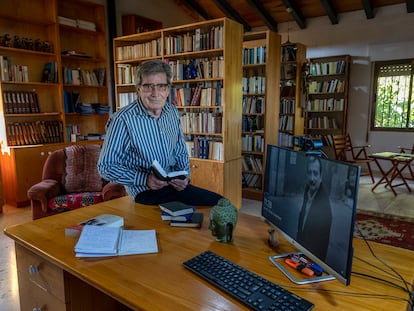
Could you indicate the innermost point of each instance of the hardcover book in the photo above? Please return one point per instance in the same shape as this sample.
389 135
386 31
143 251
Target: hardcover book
161 174
195 221
176 208
165 217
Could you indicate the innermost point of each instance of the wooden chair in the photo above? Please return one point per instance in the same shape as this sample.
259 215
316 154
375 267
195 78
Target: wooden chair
407 149
411 167
346 152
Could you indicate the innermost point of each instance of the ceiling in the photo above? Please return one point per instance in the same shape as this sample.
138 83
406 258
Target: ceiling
270 13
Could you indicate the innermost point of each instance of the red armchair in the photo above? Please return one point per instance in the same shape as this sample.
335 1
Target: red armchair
70 180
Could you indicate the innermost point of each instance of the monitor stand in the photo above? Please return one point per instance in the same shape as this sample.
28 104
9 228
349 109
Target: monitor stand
275 259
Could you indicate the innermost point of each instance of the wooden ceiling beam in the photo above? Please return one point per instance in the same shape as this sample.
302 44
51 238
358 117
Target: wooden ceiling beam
330 11
369 12
263 14
295 12
230 12
194 6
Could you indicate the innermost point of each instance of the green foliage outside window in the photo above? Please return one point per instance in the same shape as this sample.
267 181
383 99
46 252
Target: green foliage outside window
394 106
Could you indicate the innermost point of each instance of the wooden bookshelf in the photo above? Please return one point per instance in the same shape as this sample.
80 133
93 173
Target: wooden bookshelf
291 121
33 118
327 96
214 45
260 105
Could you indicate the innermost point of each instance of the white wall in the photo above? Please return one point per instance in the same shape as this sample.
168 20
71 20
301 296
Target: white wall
389 35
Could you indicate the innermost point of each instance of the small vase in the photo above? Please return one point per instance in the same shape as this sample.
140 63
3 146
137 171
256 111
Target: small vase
223 220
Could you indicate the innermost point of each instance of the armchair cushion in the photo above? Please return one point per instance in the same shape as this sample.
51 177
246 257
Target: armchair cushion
81 173
74 200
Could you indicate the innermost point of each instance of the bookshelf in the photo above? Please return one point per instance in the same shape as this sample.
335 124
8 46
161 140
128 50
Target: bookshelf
327 96
83 53
291 122
260 106
33 118
206 62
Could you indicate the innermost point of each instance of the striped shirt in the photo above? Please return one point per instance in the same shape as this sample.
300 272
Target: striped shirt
134 139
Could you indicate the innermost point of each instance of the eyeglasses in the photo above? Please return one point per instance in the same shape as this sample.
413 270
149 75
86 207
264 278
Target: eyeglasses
151 87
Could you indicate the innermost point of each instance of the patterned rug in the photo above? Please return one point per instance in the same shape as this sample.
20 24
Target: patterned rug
386 229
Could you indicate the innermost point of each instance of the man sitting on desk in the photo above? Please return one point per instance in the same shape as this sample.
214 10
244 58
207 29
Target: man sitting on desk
315 217
149 129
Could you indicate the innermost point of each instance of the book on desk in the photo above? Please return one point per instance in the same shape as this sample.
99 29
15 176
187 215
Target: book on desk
181 215
177 208
103 241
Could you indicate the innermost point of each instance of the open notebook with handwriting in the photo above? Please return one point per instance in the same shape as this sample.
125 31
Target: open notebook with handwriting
101 241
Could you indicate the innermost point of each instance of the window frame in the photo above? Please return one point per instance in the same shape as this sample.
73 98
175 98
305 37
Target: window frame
376 66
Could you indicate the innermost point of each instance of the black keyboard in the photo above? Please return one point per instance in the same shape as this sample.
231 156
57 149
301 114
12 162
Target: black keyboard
244 285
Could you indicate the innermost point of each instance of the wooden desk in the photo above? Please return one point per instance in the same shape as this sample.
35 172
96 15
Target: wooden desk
399 162
160 282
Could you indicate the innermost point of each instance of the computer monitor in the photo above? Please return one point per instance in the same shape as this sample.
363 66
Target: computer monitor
312 202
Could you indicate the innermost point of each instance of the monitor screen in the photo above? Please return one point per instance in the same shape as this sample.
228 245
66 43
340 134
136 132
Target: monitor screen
312 202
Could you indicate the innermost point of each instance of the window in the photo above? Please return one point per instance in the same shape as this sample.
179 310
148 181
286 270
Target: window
393 96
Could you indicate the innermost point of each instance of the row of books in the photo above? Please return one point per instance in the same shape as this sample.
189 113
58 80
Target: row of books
32 133
285 123
205 148
326 68
20 102
125 74
329 104
251 180
255 55
253 104
322 123
13 72
70 100
126 98
201 122
79 76
151 48
198 40
200 95
253 143
253 85
252 123
287 106
252 163
289 53
78 23
201 68
285 139
50 73
332 86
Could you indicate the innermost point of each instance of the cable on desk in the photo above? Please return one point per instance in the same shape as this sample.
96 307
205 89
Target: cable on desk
381 280
392 275
340 292
399 276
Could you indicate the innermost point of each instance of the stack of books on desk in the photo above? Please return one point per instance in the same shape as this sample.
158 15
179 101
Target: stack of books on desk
180 214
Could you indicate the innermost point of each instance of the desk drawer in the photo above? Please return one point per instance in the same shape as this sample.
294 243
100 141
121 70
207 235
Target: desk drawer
41 284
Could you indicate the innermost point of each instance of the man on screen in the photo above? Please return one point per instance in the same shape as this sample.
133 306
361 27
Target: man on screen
315 217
